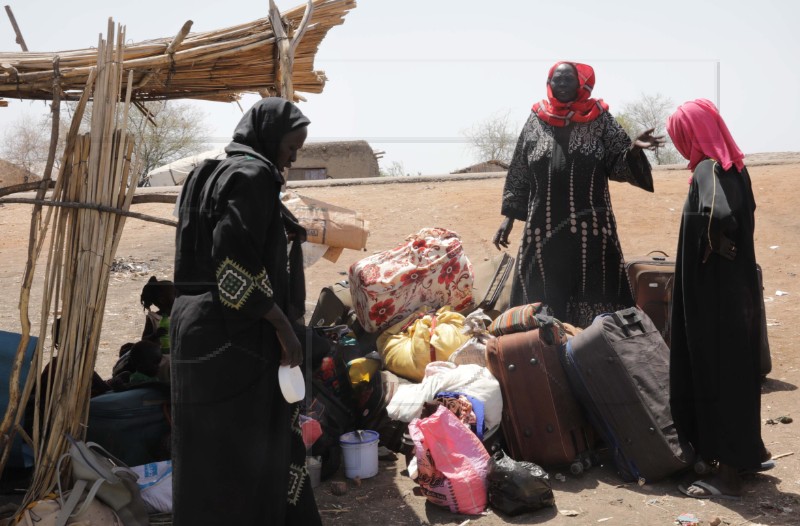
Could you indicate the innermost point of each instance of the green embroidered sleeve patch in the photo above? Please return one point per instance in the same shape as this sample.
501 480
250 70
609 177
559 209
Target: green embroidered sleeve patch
236 284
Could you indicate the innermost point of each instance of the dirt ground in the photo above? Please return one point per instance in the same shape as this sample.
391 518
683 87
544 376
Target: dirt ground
471 208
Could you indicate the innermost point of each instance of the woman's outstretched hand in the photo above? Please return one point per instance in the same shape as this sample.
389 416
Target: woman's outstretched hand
647 141
501 236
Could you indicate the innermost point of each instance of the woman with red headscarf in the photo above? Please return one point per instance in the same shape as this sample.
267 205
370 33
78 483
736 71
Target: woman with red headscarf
570 257
715 392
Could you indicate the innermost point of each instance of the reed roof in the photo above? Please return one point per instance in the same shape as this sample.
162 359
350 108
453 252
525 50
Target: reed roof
214 65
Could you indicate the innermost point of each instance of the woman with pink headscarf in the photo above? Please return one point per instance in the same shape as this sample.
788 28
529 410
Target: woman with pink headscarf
715 392
570 257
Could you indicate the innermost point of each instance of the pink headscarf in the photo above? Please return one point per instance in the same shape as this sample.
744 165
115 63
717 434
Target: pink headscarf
698 132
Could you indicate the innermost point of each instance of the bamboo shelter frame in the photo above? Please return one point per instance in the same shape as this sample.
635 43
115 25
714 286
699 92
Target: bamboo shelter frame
214 65
94 190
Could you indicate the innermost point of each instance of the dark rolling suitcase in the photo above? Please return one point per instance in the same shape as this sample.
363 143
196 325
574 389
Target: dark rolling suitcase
541 420
619 370
651 279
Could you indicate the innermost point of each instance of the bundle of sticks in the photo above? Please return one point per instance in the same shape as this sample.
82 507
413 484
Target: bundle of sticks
95 174
215 65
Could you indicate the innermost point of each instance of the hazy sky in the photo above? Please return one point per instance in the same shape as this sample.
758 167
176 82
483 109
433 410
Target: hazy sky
411 75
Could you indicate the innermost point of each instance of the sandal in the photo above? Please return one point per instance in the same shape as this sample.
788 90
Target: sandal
711 492
765 466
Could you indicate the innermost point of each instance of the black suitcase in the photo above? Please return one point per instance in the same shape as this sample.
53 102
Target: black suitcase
619 370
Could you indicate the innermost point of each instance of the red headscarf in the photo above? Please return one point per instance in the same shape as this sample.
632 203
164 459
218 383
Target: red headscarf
698 132
582 109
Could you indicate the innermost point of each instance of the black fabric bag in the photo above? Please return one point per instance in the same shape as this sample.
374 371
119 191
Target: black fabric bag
335 418
133 424
517 487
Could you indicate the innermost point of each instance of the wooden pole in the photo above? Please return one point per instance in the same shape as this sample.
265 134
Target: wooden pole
285 58
91 206
20 40
298 36
176 42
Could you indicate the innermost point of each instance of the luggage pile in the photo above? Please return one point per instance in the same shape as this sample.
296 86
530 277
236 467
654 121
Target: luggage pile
476 394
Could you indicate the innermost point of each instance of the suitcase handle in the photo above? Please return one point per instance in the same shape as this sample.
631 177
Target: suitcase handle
658 258
628 317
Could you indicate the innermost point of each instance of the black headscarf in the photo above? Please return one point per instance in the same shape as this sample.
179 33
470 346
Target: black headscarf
259 134
264 125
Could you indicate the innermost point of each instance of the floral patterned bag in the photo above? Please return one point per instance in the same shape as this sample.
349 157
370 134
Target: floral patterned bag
428 270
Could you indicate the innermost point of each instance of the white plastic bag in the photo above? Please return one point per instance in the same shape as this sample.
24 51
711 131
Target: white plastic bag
155 484
474 349
470 379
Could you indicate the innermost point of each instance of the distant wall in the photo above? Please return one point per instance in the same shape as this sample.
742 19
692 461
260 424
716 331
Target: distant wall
334 160
488 166
11 174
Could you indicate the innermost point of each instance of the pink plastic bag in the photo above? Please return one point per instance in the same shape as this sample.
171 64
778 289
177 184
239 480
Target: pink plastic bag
452 463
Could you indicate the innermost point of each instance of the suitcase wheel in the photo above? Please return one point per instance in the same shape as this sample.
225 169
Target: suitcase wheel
576 468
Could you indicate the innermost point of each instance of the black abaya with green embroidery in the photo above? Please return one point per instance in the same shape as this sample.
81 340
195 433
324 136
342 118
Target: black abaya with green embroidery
237 449
570 256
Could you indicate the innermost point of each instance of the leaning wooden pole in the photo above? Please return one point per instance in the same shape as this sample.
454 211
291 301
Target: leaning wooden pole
20 40
14 403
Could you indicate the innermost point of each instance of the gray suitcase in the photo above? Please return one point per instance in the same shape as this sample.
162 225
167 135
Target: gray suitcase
619 370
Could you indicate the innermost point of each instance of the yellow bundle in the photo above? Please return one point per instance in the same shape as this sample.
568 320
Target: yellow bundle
408 346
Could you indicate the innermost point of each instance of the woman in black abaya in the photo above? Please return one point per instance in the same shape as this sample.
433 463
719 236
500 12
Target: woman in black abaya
715 393
237 449
570 257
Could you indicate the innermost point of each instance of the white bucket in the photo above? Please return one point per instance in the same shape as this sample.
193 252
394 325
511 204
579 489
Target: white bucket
314 466
360 451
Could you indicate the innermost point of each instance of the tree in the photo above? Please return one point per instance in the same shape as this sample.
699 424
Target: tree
396 169
26 142
167 133
162 132
493 139
627 124
650 111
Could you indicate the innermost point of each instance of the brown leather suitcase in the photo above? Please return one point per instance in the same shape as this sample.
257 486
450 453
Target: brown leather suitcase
651 278
542 422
